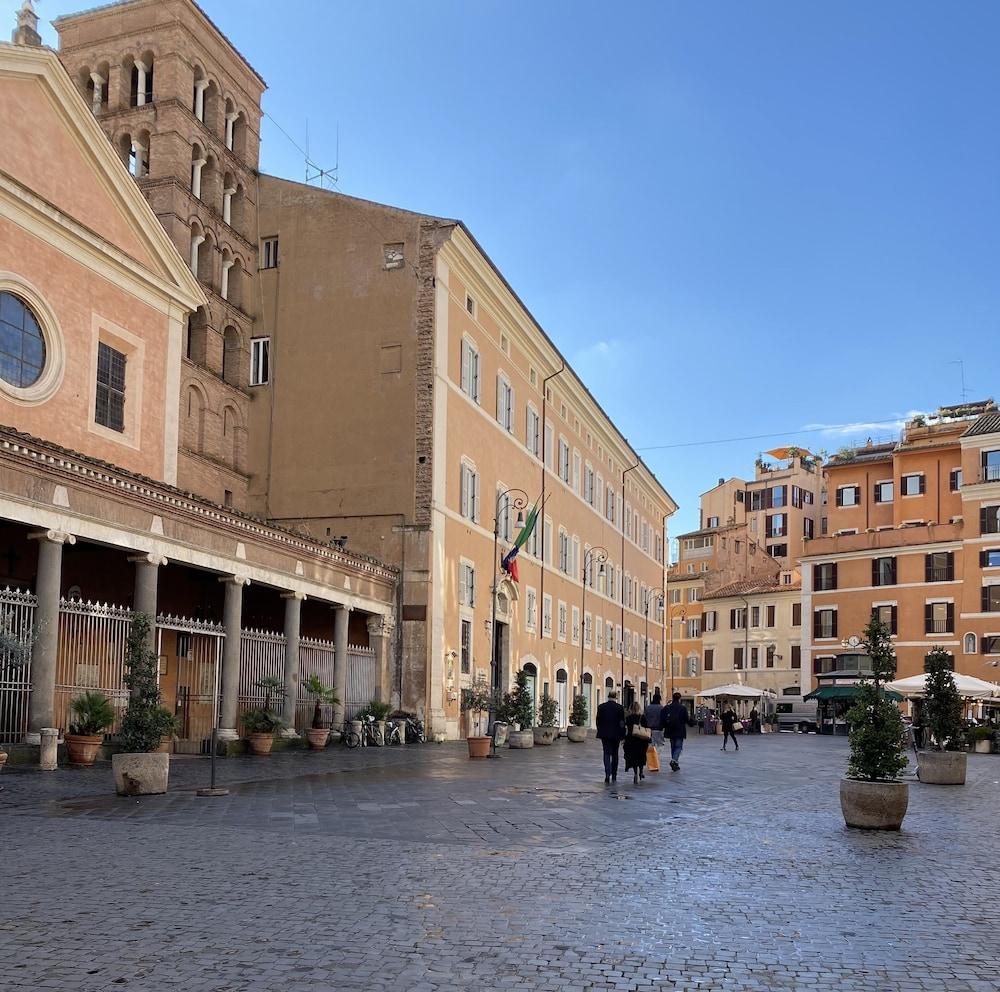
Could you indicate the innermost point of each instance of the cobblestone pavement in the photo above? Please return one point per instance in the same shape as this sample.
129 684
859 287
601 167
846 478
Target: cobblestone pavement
415 869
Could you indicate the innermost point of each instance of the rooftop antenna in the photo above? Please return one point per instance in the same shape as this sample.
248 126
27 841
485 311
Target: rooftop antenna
961 367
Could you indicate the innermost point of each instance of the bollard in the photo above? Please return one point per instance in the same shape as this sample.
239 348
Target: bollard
48 753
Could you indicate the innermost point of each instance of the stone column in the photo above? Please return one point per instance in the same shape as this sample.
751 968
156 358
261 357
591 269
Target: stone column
341 616
196 241
227 204
196 166
380 630
98 80
144 599
293 615
232 620
199 99
230 122
224 288
140 90
45 648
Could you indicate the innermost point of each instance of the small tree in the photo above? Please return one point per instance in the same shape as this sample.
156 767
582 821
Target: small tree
478 699
876 735
579 715
518 706
265 720
323 695
146 721
547 708
94 714
943 705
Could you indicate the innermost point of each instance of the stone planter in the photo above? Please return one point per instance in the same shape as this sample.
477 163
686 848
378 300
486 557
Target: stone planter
317 737
140 774
521 738
356 728
81 749
479 747
873 805
942 767
984 747
576 734
545 735
261 744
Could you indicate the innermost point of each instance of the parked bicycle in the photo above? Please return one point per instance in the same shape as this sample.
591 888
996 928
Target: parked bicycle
414 731
394 733
371 736
350 738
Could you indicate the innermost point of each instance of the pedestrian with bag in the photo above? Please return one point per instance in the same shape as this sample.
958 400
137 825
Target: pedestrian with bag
637 739
729 726
610 720
654 717
675 722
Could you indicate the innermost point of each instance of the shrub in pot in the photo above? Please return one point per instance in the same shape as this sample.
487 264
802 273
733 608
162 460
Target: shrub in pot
871 796
520 712
546 731
578 717
322 695
262 723
93 714
944 760
477 700
982 739
141 768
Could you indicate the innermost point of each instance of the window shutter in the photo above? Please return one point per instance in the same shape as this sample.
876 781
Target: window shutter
475 495
464 500
983 518
816 624
928 619
893 622
833 632
929 568
983 558
463 585
923 484
834 576
875 572
732 619
951 617
985 599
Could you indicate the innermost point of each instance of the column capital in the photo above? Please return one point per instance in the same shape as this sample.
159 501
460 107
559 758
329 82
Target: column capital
232 115
236 580
199 162
55 536
341 606
148 558
293 595
97 79
201 84
230 191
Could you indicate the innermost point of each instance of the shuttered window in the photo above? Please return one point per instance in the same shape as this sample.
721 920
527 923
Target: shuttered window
991 599
470 370
825 623
939 566
883 571
939 618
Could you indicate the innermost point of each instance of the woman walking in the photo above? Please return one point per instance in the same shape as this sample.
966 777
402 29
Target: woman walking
636 742
728 722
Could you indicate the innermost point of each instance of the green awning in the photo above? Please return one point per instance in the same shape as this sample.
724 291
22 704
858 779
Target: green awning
846 692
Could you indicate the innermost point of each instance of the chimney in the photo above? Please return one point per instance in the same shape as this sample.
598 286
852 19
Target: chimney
26 32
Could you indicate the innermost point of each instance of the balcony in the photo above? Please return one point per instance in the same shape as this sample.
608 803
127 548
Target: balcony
875 540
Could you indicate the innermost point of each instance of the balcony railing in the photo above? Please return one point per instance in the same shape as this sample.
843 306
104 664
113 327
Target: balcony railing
989 473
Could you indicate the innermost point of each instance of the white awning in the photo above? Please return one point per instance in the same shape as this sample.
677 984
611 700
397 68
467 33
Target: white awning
968 686
735 691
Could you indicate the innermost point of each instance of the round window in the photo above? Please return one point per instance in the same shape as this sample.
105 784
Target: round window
22 347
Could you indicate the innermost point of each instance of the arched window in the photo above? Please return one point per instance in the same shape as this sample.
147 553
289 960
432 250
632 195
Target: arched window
692 665
212 109
231 117
232 354
229 188
194 420
197 337
206 261
970 644
198 95
235 295
142 80
94 83
231 436
198 160
197 241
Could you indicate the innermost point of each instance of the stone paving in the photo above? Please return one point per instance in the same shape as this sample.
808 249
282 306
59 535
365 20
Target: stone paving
415 869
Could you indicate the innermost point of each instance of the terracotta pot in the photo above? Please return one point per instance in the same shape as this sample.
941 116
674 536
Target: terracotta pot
521 738
984 747
576 734
873 805
545 735
166 746
140 774
942 767
479 747
81 749
317 737
261 744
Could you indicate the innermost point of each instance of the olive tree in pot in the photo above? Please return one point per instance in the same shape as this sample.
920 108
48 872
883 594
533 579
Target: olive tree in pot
263 723
94 714
871 796
322 695
578 717
520 711
477 699
546 732
944 763
141 768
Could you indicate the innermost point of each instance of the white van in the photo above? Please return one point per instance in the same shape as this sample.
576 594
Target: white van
796 714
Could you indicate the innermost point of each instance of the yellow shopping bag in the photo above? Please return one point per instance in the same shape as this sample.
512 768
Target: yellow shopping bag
652 759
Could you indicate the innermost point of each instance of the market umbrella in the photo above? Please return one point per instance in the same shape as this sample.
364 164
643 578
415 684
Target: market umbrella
783 454
968 686
735 692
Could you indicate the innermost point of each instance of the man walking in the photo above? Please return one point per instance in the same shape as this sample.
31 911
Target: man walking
674 719
611 732
653 718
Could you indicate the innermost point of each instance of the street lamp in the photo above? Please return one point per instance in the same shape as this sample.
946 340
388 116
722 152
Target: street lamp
519 501
651 598
600 555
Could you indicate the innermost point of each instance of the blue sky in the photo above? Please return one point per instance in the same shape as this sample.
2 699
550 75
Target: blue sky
734 218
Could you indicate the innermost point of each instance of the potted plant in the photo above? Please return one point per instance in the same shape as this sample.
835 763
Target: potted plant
263 723
322 695
520 708
141 768
871 796
94 714
546 731
379 711
944 760
578 717
981 739
477 699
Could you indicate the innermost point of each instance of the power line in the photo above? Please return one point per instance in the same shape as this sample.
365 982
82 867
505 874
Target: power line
762 437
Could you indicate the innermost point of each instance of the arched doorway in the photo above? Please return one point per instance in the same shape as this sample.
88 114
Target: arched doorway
588 696
531 671
562 698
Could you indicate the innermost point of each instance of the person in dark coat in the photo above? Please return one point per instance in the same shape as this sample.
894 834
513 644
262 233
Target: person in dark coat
610 720
635 747
653 717
728 719
675 721
754 721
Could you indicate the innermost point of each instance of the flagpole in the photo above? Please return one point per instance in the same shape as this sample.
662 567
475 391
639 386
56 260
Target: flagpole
519 502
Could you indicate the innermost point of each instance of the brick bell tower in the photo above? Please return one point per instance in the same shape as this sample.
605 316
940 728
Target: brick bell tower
182 108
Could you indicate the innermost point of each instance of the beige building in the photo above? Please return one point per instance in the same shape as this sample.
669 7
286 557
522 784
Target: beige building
423 389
